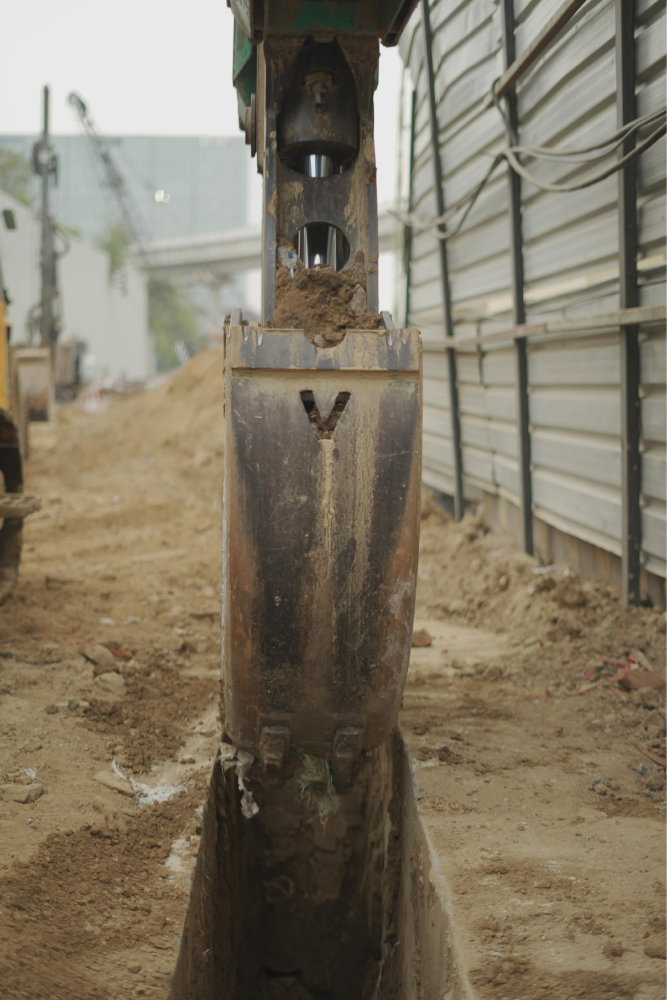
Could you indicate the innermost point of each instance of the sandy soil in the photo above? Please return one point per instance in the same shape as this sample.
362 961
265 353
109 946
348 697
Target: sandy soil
125 551
539 778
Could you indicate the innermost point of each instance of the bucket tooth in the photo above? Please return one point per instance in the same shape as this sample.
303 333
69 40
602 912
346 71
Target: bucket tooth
345 754
274 743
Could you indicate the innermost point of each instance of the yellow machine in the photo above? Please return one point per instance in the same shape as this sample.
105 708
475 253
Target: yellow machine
14 504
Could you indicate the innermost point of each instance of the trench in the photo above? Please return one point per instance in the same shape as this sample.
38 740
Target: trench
282 908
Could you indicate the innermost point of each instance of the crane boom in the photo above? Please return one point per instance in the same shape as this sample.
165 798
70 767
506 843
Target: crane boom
112 176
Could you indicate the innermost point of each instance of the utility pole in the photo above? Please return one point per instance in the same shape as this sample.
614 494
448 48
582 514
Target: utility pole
45 164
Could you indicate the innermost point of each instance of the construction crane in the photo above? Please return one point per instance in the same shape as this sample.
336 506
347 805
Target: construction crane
113 179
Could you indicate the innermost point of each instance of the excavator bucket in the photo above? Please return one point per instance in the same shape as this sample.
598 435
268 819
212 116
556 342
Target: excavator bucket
320 540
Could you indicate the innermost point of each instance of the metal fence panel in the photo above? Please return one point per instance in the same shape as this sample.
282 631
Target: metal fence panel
571 265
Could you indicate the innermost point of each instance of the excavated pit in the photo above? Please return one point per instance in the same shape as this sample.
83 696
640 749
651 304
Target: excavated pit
282 908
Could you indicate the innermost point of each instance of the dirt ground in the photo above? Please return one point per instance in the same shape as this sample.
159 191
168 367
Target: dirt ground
538 775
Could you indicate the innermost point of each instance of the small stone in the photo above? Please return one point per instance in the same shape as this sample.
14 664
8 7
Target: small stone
163 945
112 683
601 788
457 606
357 303
493 672
134 968
51 709
613 949
21 793
656 783
421 638
655 948
99 655
73 704
112 781
521 826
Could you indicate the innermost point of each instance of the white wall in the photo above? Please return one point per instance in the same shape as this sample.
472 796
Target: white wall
111 319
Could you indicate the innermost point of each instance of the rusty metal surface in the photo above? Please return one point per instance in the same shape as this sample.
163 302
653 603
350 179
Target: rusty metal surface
291 200
11 530
320 539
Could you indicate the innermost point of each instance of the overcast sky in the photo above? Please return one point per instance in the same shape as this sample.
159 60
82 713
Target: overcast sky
144 67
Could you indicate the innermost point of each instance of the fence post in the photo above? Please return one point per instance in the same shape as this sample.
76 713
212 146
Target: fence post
518 305
444 269
407 258
629 298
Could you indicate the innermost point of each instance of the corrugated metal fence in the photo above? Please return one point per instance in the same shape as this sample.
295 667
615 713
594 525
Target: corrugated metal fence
570 251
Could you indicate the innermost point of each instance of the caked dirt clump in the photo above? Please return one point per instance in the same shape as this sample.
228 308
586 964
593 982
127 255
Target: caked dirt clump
87 895
324 303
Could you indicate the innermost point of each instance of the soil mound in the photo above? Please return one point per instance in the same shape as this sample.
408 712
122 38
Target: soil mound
555 617
182 417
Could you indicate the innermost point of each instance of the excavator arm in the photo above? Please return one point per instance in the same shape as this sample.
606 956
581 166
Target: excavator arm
323 408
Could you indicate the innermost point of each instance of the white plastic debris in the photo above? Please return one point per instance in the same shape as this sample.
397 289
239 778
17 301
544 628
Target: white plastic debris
31 772
545 569
93 399
249 807
227 752
106 621
145 795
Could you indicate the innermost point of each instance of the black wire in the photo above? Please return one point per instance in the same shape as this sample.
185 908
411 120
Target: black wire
510 131
510 155
595 178
545 152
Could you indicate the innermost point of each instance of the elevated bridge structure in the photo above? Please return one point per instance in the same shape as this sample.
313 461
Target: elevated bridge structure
217 257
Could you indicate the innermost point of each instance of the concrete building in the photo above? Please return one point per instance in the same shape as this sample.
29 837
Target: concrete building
179 185
111 319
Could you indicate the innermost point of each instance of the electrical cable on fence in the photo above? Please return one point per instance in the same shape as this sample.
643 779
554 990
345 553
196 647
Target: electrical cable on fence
547 153
510 153
594 178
